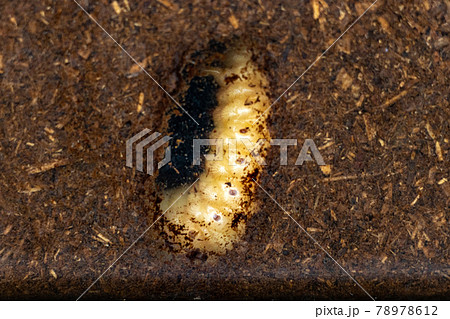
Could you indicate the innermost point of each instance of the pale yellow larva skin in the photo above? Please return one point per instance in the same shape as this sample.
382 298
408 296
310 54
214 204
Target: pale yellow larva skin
203 217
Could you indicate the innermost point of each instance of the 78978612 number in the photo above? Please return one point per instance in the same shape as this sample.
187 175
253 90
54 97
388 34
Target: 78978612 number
407 310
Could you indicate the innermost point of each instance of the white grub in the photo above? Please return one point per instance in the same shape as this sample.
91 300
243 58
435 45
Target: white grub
211 216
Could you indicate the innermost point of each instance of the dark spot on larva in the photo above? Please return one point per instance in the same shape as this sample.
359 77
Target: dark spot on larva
217 217
231 78
232 192
228 184
175 229
243 130
248 102
253 175
192 234
237 218
240 160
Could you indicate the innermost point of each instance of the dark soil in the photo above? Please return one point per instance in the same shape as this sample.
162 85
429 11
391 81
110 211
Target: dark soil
198 103
376 105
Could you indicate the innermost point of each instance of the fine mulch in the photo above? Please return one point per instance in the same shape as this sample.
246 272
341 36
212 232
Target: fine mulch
376 105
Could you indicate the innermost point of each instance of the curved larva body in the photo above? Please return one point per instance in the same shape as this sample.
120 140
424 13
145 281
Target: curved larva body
211 216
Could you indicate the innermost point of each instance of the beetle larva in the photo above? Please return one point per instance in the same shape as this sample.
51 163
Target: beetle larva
212 215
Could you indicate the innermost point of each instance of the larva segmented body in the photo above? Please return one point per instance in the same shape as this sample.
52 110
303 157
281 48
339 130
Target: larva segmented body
211 216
